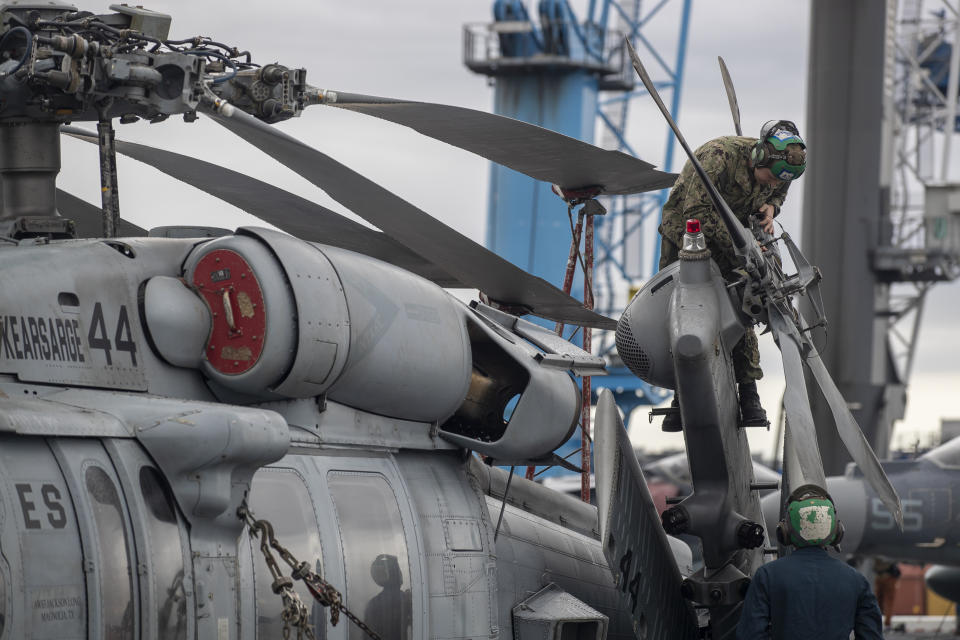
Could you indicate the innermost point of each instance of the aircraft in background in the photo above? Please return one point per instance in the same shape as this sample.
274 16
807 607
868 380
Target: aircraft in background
931 509
931 515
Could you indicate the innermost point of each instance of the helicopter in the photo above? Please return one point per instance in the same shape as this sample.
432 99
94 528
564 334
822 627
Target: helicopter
246 434
237 434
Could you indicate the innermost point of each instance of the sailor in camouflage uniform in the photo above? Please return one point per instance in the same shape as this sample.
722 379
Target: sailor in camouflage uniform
752 175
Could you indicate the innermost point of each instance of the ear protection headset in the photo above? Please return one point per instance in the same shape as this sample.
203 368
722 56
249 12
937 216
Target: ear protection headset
771 150
810 520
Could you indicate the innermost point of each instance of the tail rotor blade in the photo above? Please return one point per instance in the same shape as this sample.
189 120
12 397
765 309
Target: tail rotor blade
731 95
465 259
849 431
853 438
807 466
537 152
792 344
738 233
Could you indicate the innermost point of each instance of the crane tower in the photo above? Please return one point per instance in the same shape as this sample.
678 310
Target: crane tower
882 218
574 76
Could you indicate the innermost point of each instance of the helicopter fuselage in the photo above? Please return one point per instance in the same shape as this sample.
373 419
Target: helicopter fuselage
127 449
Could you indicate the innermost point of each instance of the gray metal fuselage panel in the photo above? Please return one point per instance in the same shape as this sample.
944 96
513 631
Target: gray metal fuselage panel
92 510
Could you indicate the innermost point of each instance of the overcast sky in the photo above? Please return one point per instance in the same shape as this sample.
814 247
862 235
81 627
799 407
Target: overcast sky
413 50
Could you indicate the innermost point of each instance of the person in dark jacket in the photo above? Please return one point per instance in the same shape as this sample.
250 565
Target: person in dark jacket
809 594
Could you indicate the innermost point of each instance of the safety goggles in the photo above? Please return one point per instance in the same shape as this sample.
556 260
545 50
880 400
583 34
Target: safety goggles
783 170
780 139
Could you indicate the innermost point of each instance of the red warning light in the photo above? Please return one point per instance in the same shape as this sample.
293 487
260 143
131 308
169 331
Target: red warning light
693 225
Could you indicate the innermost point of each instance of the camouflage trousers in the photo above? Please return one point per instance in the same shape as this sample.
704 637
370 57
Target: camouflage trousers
746 353
746 358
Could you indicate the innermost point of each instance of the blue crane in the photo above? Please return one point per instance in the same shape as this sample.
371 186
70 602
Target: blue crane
564 74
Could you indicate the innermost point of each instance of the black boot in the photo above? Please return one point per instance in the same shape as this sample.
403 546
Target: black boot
671 421
751 412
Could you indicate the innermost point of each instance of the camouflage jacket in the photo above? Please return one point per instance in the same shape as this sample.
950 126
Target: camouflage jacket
727 161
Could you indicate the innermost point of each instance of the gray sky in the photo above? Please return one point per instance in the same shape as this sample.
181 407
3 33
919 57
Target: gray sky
413 50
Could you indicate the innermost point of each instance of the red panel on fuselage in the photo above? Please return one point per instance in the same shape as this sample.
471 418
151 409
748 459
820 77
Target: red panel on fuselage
229 286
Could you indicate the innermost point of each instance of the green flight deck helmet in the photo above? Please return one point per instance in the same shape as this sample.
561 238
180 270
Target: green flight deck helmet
780 149
811 519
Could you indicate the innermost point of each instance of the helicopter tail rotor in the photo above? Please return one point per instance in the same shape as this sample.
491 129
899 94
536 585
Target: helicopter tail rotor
803 433
731 95
790 337
739 235
853 438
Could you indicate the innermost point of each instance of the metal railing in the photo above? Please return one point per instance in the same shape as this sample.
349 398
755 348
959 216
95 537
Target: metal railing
505 47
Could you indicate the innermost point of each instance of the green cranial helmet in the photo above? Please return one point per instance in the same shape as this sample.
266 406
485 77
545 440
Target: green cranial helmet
811 519
780 149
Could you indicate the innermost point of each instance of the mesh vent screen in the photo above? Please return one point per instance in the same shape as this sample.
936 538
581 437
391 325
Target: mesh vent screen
630 352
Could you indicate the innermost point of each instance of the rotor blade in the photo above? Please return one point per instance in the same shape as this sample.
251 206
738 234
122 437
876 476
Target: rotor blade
790 481
634 542
529 149
853 438
792 344
738 233
803 434
731 95
88 218
284 210
465 259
